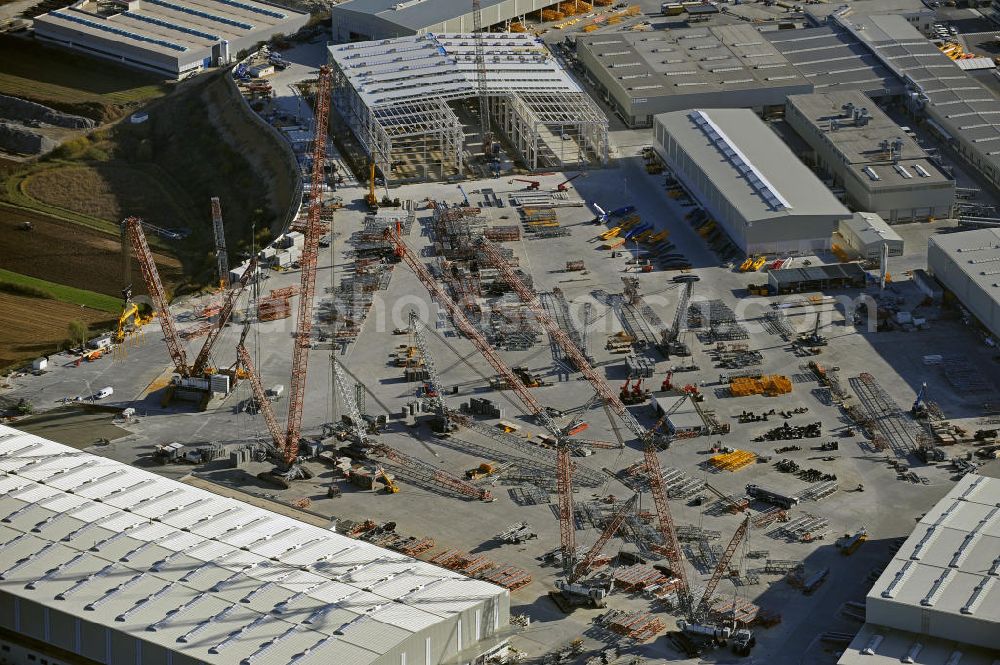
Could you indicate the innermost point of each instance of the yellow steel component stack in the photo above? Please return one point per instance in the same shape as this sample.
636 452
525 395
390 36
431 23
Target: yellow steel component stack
517 27
734 461
630 221
769 385
552 15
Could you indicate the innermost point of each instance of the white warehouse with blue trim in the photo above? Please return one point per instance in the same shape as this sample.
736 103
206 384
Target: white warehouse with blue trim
170 37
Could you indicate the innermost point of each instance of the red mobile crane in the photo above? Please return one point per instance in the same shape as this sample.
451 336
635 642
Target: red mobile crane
564 466
287 442
564 185
532 185
652 441
197 372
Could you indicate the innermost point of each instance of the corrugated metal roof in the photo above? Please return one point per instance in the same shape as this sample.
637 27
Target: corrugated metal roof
443 66
951 561
725 58
172 27
970 64
871 228
879 645
755 144
283 587
976 254
961 105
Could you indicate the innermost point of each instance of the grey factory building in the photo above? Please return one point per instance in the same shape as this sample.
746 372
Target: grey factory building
915 12
881 168
364 20
645 73
103 562
967 264
866 233
938 601
749 181
953 104
833 59
170 37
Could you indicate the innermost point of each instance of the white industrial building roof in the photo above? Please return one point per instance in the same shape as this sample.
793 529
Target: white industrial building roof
170 27
753 168
958 104
443 66
866 146
976 254
413 14
943 581
213 578
723 58
685 416
871 229
831 59
892 646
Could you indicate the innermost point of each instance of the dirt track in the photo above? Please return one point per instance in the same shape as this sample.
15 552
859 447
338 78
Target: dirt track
70 254
34 326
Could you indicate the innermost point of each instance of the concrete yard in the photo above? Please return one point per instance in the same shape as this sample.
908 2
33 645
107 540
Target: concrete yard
887 507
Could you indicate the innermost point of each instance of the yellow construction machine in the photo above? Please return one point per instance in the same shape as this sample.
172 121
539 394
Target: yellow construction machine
370 197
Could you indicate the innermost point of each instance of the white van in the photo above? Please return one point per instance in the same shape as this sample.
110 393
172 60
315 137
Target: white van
104 392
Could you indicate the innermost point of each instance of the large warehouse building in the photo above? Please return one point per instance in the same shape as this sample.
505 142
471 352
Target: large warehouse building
938 600
960 109
396 96
106 563
170 37
967 264
645 73
363 20
749 181
882 169
833 59
868 235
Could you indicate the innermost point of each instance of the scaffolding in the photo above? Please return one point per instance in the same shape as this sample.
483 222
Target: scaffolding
401 100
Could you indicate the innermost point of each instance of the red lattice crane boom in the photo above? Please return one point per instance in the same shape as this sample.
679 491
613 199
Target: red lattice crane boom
259 396
610 529
289 444
720 570
470 331
151 276
564 466
440 477
225 312
530 300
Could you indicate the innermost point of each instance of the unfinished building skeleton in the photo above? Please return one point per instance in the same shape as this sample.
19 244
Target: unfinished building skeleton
398 96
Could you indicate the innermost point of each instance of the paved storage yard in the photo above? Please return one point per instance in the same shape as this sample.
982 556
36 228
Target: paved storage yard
894 358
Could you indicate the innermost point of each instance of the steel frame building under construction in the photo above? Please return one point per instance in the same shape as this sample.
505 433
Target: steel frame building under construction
396 96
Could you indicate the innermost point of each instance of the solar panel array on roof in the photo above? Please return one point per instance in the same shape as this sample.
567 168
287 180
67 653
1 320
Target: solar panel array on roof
771 196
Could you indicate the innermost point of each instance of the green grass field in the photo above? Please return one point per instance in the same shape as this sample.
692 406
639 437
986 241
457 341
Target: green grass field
72 82
62 292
